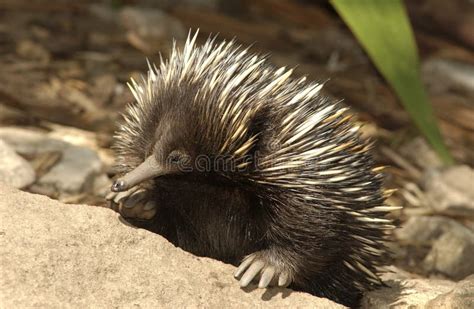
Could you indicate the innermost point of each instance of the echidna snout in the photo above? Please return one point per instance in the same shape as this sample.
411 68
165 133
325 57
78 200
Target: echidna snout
150 168
280 179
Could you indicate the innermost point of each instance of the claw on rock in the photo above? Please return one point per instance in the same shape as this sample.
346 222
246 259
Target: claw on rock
284 280
267 277
261 268
243 266
120 196
250 274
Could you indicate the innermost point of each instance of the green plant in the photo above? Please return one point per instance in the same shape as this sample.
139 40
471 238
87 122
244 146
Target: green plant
383 29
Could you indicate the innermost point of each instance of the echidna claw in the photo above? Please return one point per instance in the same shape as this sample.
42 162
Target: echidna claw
255 267
284 280
244 265
120 196
252 272
110 196
134 203
266 277
134 199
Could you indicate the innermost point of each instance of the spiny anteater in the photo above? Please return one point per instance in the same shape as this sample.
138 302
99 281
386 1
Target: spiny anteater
233 159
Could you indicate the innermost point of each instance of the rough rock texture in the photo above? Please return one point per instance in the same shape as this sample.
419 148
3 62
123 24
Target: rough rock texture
14 170
403 291
54 256
462 296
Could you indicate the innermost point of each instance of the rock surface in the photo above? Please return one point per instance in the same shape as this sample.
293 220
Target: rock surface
14 170
424 230
452 254
54 256
462 296
403 291
437 245
451 191
77 167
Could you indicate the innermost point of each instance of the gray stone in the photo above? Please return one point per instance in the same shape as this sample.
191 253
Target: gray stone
452 254
75 256
424 230
14 170
74 173
30 142
462 296
451 191
439 245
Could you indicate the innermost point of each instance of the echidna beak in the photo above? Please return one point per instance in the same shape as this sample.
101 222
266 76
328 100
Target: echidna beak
147 170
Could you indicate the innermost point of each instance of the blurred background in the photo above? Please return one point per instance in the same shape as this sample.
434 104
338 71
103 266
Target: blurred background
64 67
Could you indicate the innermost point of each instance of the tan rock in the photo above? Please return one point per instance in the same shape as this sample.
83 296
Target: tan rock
406 291
54 256
462 296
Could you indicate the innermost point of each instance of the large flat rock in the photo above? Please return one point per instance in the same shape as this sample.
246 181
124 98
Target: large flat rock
55 256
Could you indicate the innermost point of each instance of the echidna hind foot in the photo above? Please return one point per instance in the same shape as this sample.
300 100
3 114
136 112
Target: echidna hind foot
265 269
134 203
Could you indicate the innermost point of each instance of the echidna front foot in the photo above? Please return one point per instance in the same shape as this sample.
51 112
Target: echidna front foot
264 267
134 203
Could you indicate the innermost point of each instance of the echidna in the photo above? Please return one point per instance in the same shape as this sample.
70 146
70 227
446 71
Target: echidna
231 158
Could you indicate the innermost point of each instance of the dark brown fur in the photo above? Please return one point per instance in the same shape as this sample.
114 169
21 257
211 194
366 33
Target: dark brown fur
227 215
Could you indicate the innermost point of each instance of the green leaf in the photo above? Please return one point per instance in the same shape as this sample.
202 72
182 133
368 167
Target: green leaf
383 29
